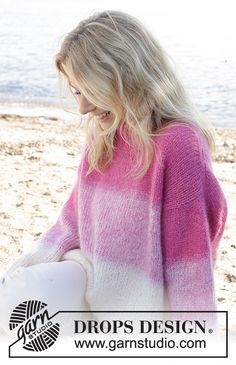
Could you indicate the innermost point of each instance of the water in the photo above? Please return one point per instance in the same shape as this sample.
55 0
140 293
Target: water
31 32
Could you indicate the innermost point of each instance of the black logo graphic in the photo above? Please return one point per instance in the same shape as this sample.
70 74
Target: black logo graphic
34 325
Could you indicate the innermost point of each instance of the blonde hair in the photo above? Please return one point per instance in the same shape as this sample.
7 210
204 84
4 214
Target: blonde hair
118 65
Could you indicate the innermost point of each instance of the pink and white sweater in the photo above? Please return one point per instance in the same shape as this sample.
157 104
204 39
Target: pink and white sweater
148 244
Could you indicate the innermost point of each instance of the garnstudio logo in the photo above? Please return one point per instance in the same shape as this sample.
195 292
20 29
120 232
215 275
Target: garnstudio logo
34 325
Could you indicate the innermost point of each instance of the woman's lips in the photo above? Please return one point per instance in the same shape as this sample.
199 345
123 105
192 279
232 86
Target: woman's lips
103 115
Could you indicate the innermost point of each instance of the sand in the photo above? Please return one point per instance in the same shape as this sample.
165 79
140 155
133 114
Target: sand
39 157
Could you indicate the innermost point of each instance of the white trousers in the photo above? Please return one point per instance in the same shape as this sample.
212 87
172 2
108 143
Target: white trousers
61 285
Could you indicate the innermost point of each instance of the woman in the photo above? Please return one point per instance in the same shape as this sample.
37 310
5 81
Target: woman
146 213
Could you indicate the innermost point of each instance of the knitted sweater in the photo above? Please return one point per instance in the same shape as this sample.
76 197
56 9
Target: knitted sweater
148 244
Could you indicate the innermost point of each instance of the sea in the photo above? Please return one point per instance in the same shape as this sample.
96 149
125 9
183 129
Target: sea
199 42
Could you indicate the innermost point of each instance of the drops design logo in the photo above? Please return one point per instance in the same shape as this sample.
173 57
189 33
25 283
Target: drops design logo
34 326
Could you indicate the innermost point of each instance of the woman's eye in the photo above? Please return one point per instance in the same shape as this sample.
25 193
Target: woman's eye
75 92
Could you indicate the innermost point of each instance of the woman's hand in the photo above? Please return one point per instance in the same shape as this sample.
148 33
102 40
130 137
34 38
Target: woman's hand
39 253
24 260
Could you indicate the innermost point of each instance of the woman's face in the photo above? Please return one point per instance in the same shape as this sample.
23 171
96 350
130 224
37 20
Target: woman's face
104 117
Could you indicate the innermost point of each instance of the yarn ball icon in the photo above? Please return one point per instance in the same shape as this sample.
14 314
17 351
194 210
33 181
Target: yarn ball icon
34 325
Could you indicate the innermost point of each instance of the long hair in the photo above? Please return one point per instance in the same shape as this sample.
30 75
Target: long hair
118 65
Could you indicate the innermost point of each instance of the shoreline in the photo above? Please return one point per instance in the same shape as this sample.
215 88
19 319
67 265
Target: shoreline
39 156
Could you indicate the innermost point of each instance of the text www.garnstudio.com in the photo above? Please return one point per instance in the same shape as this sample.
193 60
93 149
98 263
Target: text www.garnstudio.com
163 342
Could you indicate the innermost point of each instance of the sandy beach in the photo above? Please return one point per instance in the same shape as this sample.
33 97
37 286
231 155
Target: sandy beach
39 157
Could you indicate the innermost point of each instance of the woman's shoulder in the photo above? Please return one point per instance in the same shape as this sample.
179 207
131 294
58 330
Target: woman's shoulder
178 130
180 138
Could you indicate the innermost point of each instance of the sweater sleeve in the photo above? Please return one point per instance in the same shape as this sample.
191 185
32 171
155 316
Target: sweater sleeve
62 236
193 218
57 240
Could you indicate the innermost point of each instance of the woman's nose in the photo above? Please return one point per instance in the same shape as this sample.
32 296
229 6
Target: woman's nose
84 105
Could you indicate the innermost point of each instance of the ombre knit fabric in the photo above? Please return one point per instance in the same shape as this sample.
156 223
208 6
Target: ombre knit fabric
148 244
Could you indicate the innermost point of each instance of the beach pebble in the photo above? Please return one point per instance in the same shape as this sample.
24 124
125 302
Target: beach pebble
220 299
